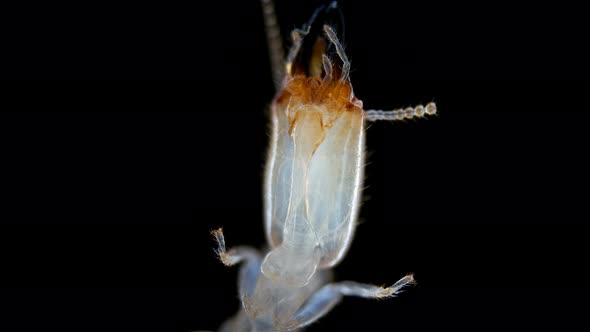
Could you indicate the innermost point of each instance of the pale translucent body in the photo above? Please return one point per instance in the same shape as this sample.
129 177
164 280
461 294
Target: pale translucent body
312 190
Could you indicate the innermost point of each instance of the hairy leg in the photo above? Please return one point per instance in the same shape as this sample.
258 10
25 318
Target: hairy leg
321 302
251 258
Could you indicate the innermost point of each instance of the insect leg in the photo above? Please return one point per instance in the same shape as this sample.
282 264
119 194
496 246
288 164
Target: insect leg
328 296
401 114
238 323
339 50
249 271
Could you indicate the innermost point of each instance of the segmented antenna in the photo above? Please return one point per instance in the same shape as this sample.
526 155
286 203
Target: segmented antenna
275 42
401 114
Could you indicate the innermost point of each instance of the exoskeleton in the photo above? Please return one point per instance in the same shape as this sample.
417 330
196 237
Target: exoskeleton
312 190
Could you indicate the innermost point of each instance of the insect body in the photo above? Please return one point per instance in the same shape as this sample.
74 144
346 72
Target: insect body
313 179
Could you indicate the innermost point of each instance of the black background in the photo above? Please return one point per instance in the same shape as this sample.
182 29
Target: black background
108 199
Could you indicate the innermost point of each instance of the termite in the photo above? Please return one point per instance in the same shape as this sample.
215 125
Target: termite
312 187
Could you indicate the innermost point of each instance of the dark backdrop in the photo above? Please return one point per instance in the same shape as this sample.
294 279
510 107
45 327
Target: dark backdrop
108 199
